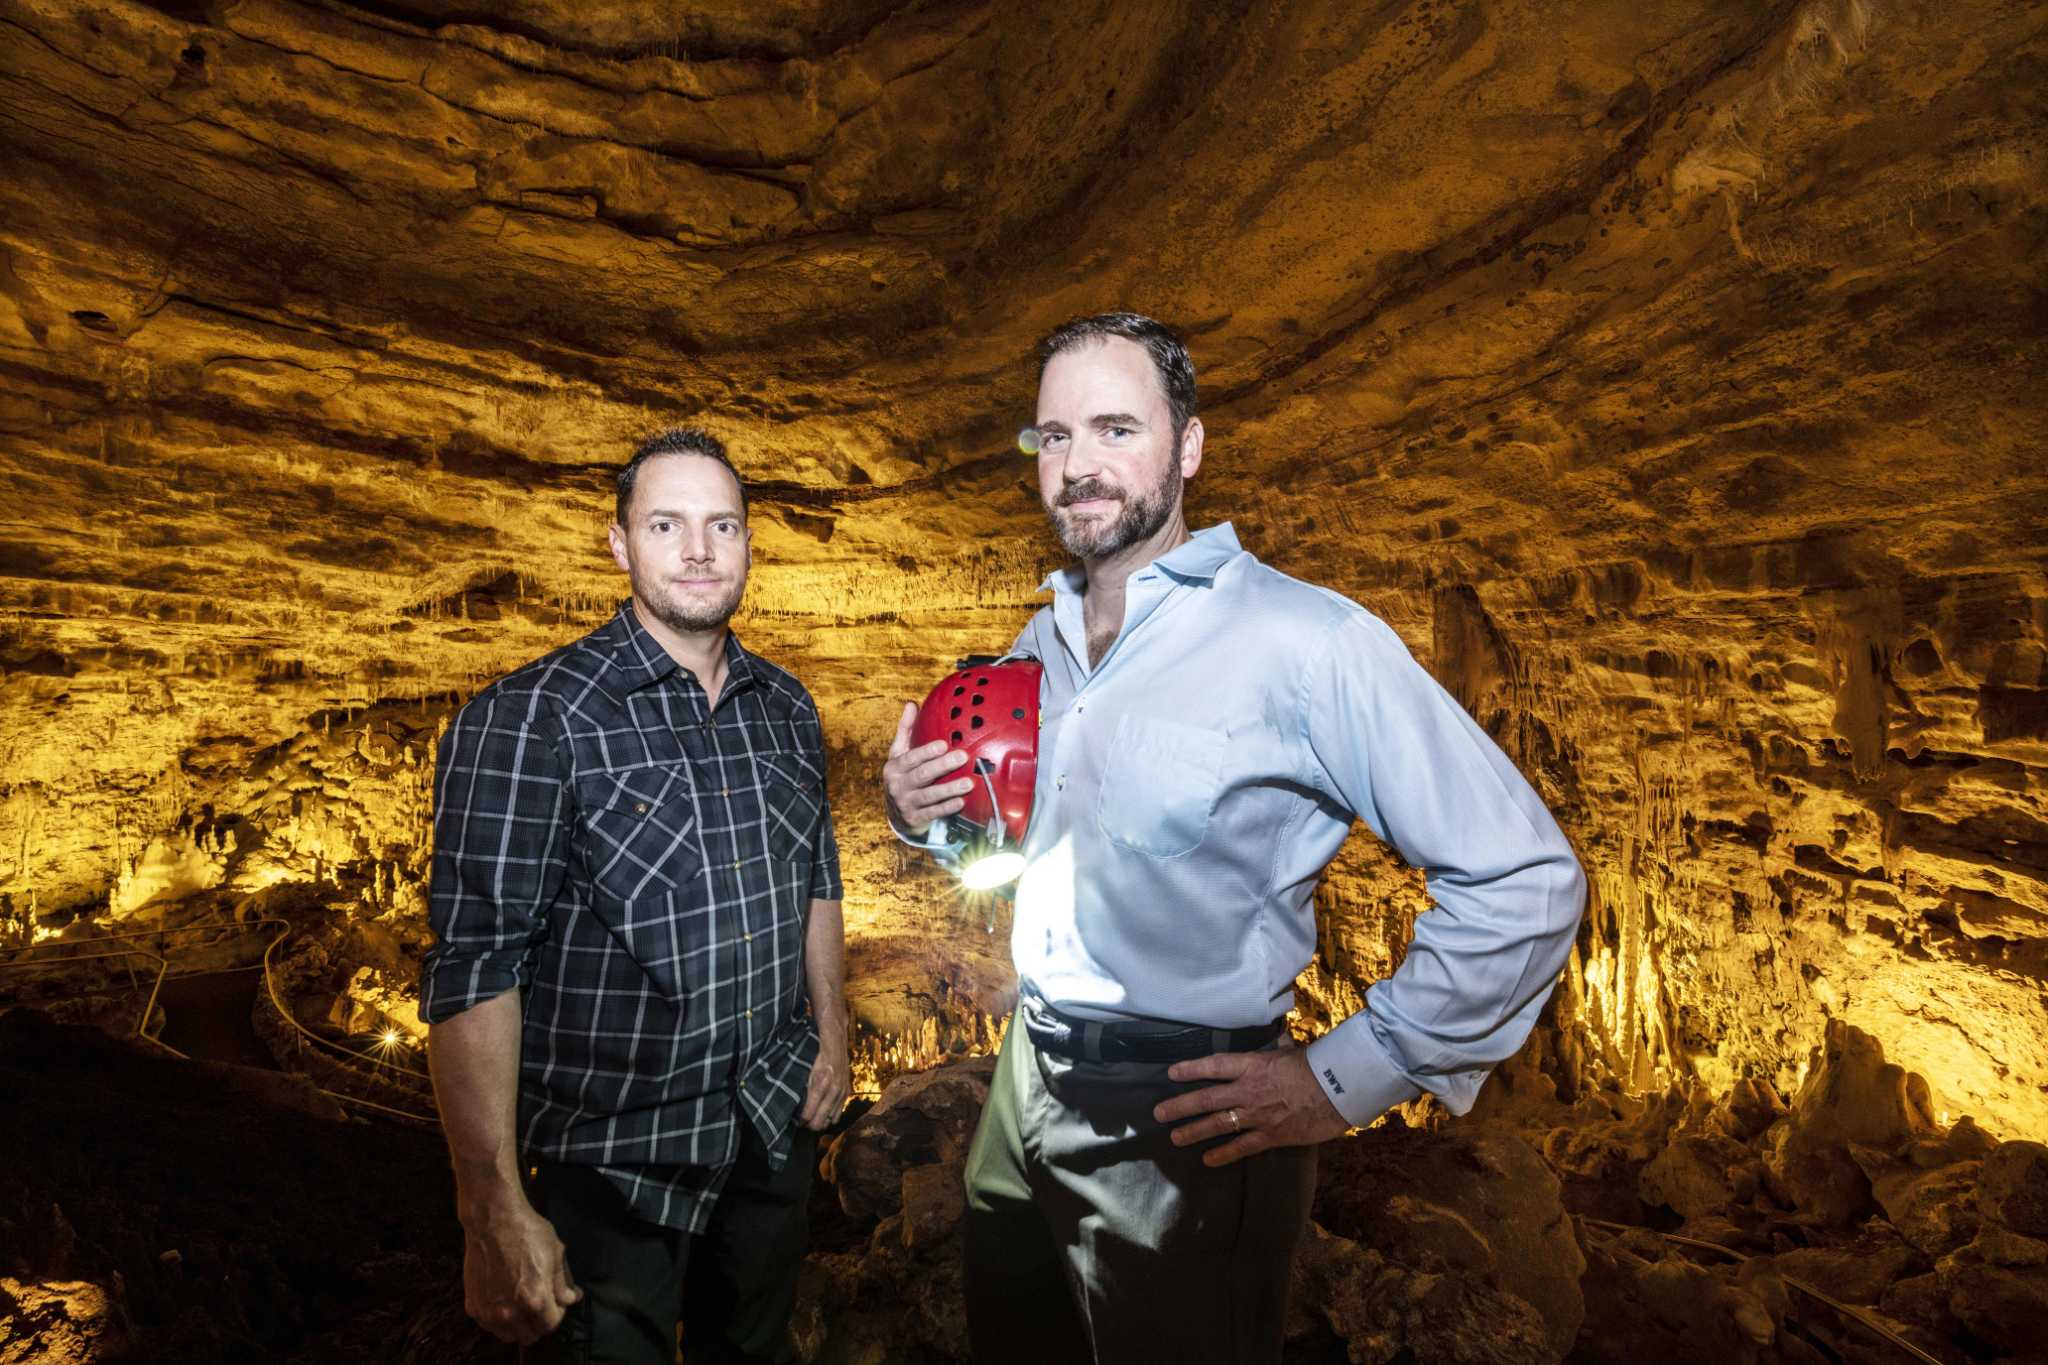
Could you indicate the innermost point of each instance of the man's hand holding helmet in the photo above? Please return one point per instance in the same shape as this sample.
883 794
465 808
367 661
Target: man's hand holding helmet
920 790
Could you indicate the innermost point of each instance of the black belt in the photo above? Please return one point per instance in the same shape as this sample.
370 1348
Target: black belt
1136 1040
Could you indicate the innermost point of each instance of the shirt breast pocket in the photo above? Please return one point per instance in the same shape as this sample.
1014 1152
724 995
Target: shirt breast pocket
1159 785
642 827
793 799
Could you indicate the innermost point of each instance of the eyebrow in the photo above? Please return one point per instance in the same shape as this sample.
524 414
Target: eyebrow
1099 421
727 514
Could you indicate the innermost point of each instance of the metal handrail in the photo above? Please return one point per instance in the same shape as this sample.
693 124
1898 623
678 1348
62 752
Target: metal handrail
350 1060
155 985
56 947
1847 1310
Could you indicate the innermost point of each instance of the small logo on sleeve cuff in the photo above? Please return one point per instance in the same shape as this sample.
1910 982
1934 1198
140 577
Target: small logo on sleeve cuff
1336 1086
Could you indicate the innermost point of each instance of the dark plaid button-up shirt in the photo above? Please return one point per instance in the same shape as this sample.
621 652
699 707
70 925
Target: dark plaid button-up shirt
641 866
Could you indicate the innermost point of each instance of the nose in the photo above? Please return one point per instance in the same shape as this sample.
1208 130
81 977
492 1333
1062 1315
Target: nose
697 545
1082 460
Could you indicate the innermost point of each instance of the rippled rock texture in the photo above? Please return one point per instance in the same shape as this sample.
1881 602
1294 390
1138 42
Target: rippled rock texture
1668 375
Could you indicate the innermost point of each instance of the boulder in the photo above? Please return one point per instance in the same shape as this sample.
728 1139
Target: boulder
1852 1097
1859 1272
2012 1187
2002 1306
1816 1178
1964 1142
1646 1302
1852 1094
934 1201
1354 1299
1696 1176
1751 1107
1935 1211
1473 1201
922 1118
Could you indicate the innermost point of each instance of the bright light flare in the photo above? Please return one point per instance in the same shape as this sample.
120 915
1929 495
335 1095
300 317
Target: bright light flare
1028 440
997 869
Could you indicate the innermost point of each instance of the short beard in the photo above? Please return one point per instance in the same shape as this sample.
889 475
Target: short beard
1141 515
676 617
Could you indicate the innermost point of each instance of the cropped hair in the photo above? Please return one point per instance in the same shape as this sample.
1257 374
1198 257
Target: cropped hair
675 441
1169 355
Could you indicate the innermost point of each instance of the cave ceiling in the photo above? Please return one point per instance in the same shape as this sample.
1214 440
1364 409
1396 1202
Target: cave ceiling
1668 374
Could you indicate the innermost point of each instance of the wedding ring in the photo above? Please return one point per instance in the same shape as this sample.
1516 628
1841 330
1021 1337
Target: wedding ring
1231 1114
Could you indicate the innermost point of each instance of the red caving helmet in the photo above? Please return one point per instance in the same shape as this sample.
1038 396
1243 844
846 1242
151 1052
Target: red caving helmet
989 709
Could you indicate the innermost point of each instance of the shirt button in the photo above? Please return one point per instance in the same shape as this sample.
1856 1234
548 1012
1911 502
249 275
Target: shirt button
735 864
1060 783
640 809
747 937
1079 707
750 1014
725 791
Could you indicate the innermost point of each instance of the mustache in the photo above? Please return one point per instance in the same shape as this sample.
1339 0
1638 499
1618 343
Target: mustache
1084 490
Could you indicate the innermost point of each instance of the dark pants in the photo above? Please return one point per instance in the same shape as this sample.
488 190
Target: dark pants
732 1286
1091 1237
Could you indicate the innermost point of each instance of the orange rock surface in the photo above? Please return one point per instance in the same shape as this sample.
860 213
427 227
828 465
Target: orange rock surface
1669 375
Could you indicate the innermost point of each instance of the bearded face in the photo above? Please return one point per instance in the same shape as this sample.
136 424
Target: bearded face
1111 465
1095 519
685 544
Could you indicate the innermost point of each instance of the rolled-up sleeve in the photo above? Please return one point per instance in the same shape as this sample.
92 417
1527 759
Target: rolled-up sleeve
825 860
825 884
500 802
1507 892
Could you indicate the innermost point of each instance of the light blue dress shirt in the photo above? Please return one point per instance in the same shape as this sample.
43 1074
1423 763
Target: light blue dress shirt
1193 786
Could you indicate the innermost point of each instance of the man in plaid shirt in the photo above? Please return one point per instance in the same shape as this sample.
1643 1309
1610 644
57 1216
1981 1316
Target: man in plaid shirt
636 996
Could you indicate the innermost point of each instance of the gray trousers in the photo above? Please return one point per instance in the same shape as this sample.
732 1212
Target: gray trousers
1091 1237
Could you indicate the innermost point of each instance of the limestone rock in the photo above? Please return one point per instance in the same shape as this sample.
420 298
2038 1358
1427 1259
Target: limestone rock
1752 1106
2012 1188
60 1322
1920 1300
1858 1272
1852 1099
1935 1211
1963 1142
2003 1306
922 1118
934 1201
1380 1312
1574 345
1698 1176
1645 1302
1476 1202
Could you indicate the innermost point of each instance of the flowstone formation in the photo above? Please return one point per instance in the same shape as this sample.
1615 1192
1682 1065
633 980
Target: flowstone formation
1667 376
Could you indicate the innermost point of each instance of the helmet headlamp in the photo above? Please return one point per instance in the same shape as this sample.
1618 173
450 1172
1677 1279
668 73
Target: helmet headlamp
988 709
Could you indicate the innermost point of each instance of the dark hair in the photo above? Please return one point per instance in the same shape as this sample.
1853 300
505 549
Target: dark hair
1169 357
675 441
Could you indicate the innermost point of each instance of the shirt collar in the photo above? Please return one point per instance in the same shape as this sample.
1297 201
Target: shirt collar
1197 560
642 661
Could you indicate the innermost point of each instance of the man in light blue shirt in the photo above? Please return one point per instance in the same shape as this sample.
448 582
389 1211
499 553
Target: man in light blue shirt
1142 1171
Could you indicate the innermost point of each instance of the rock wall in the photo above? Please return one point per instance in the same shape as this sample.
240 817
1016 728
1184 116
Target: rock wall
1667 375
